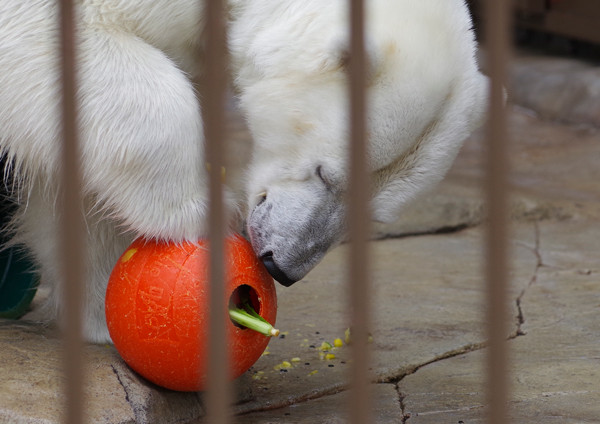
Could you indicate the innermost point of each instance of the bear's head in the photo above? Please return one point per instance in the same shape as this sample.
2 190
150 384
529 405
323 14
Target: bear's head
424 97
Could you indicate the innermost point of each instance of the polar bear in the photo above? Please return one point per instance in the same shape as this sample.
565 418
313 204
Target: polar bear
141 131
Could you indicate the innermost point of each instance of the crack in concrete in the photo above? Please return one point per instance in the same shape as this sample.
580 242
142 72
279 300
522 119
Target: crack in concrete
473 347
539 264
253 406
127 398
411 369
444 229
477 346
405 414
122 385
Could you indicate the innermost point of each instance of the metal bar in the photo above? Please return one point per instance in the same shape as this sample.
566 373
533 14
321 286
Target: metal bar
218 397
358 219
497 36
71 223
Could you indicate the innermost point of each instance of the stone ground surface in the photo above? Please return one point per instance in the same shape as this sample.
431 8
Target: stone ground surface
428 350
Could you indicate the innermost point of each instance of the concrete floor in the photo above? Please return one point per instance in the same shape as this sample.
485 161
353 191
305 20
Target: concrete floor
428 347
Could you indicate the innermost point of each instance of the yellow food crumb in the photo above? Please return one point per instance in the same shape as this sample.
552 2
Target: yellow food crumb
258 375
283 366
325 346
128 255
296 359
326 356
266 352
313 372
338 343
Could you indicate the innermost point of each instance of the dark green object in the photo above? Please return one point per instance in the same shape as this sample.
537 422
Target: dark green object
18 283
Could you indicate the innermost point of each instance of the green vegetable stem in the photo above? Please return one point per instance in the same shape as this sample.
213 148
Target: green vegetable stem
247 317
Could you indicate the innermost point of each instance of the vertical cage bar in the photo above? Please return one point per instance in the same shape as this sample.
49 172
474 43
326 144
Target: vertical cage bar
358 219
497 36
217 396
71 223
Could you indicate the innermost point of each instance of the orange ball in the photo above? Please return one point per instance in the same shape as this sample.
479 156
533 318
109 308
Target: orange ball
157 309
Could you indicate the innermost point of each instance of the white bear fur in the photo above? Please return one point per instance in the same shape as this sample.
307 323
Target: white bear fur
141 129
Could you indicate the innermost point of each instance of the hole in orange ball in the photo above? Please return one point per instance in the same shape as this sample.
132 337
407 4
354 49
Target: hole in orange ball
241 296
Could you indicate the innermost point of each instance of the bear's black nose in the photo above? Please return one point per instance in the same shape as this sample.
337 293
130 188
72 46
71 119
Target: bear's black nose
276 273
